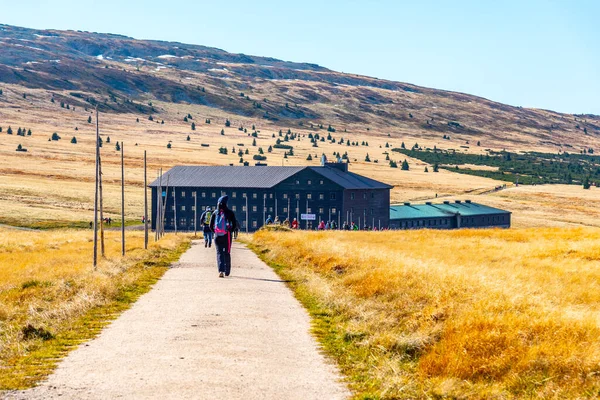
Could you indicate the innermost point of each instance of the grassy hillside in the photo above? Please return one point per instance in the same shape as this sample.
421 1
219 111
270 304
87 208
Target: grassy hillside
468 314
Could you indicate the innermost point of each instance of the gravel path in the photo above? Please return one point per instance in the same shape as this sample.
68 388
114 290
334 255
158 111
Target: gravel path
197 336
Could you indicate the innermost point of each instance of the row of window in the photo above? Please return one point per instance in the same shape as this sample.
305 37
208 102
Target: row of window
364 195
285 196
266 209
428 222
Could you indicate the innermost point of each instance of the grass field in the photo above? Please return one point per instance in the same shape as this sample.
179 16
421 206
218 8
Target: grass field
51 298
461 314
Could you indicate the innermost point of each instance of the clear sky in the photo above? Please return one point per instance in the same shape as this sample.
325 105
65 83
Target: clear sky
531 53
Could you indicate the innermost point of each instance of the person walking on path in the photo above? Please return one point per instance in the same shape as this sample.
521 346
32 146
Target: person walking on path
205 221
223 224
295 224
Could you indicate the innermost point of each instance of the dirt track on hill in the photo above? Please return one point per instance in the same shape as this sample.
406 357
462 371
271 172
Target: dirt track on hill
197 336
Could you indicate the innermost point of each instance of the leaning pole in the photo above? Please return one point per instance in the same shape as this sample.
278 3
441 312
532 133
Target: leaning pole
95 225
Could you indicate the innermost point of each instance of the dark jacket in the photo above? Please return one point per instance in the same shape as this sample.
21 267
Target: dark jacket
229 215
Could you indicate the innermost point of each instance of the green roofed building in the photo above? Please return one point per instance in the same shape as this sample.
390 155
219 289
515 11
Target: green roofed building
447 215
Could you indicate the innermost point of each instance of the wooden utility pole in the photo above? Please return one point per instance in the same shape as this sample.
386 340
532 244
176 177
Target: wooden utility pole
158 207
122 202
145 204
195 213
101 198
95 224
163 214
175 209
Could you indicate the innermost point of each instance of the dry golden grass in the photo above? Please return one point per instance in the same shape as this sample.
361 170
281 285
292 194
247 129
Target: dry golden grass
462 314
47 283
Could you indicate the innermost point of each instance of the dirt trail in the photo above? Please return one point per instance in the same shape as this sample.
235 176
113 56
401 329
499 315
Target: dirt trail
197 336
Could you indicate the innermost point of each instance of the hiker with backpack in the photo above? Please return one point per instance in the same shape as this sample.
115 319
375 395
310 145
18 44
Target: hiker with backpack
205 221
223 224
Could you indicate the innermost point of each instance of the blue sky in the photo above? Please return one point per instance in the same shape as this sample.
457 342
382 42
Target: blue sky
531 53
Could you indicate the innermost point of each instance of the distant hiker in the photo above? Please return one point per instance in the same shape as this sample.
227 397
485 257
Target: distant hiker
269 221
205 221
327 226
277 221
333 225
286 223
354 227
223 224
321 225
346 227
295 224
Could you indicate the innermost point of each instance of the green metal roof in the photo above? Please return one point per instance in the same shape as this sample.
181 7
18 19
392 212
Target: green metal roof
413 211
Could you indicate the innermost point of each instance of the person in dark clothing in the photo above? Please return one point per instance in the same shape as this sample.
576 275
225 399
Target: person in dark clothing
205 221
223 224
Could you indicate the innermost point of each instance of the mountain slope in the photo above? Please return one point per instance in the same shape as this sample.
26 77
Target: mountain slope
122 74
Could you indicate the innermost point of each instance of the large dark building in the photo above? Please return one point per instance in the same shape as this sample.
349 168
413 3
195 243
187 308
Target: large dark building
310 194
448 215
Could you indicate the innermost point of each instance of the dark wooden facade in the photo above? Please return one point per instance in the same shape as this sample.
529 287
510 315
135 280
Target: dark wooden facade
305 192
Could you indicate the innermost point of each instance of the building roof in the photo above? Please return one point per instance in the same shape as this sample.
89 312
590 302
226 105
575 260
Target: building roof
466 209
257 177
349 180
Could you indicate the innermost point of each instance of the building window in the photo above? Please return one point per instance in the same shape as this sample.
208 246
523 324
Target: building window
308 210
321 196
308 182
244 223
193 194
321 182
364 195
233 208
297 195
254 223
244 195
309 196
203 195
320 210
285 196
182 208
297 210
285 209
233 195
333 211
297 182
244 208
172 208
193 208
332 196
223 193
270 209
270 195
254 195
183 193
351 196
253 208
214 195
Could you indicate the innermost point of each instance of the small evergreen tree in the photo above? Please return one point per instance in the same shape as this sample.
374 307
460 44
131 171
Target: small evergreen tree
260 151
168 145
9 131
436 167
28 132
151 119
108 139
405 166
137 120
222 132
19 132
393 164
162 121
253 142
193 126
478 143
270 149
246 152
89 120
309 158
426 170
55 136
185 119
227 123
74 140
387 145
586 183
189 116
117 146
367 159
188 138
